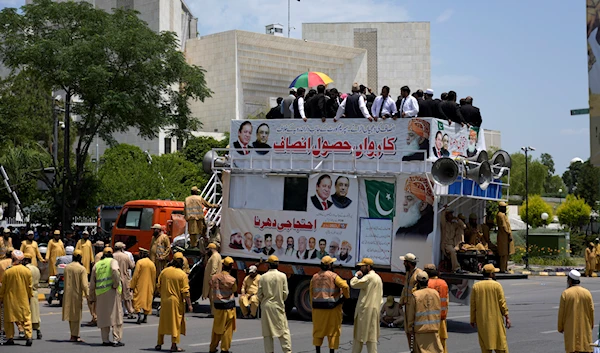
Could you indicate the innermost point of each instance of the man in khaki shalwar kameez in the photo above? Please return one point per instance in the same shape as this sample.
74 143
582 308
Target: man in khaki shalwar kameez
125 265
488 306
213 266
194 215
590 260
76 288
248 296
424 317
506 246
174 290
34 302
15 294
272 293
106 290
5 243
30 246
143 285
160 248
392 314
98 247
56 248
223 286
366 316
410 283
576 315
448 226
87 253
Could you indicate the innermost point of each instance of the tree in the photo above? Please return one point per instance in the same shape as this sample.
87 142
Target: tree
588 184
537 174
573 212
571 176
122 74
537 206
546 159
554 184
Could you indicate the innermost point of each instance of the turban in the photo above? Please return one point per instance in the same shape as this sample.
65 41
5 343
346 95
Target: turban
472 133
419 127
17 255
419 186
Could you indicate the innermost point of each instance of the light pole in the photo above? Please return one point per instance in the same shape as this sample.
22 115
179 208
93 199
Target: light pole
526 150
289 11
560 196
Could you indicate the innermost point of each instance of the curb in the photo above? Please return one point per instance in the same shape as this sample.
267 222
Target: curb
546 273
41 297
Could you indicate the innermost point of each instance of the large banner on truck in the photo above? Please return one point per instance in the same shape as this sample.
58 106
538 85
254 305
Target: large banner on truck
454 140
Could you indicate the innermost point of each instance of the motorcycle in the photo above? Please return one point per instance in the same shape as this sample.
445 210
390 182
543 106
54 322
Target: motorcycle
57 286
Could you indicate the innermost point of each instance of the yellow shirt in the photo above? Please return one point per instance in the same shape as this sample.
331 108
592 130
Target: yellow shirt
87 256
31 247
15 293
250 285
488 306
576 318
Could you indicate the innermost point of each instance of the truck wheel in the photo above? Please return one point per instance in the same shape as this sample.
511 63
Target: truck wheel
349 307
302 300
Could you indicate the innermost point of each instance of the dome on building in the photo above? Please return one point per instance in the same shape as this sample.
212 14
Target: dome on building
576 159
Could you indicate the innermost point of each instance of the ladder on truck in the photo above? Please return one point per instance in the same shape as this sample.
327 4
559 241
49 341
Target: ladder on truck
213 193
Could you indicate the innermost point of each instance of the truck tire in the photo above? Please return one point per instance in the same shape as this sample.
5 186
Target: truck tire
302 299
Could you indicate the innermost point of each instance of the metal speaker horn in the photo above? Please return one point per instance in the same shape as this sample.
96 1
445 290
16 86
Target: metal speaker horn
480 157
444 171
482 174
500 162
209 158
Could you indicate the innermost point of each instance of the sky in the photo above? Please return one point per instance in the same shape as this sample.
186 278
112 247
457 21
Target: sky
523 62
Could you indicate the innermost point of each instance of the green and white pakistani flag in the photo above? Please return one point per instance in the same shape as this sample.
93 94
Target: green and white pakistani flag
380 198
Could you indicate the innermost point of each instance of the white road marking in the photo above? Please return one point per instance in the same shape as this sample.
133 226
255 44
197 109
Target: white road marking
555 331
457 317
238 340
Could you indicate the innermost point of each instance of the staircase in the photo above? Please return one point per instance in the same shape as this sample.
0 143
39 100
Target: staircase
213 193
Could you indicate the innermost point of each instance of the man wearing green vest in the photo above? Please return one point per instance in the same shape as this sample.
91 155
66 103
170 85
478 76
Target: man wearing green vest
106 291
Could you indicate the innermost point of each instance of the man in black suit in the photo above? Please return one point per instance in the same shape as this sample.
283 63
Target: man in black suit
451 109
321 199
430 108
470 113
242 145
318 105
268 249
333 103
275 112
340 198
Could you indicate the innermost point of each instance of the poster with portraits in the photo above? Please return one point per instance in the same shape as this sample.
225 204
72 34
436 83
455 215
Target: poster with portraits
455 140
415 219
307 218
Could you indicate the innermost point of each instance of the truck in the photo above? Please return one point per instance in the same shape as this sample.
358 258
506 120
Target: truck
350 189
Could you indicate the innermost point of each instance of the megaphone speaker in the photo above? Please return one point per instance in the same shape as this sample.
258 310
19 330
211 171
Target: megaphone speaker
480 157
482 174
501 159
444 171
209 158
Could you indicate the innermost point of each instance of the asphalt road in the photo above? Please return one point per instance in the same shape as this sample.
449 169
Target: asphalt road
533 306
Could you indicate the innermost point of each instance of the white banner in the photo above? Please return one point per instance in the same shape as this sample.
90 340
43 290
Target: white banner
454 140
376 240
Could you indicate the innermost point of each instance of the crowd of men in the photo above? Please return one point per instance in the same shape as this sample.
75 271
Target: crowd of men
361 102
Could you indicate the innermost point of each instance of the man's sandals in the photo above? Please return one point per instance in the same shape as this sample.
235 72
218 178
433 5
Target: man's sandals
177 349
75 339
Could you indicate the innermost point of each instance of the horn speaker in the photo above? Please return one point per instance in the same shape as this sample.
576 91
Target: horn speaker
444 171
480 157
482 174
209 158
501 163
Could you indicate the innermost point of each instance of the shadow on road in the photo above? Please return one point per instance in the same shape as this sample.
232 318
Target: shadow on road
460 327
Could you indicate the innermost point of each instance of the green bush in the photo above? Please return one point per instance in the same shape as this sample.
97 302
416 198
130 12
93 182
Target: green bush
537 206
573 212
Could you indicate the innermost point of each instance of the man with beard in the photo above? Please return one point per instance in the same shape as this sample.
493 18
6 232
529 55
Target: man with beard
194 215
30 246
279 251
5 242
417 139
312 252
302 253
258 244
410 282
248 298
268 249
160 248
576 315
323 190
235 241
345 252
214 265
125 265
55 249
340 199
321 252
242 145
262 137
87 253
248 242
366 316
473 231
143 285
423 318
472 147
417 217
290 251
334 247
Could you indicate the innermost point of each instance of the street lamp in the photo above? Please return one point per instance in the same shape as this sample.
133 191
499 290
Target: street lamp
560 195
526 150
289 10
545 218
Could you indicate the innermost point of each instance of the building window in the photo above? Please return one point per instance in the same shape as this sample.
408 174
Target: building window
179 144
167 145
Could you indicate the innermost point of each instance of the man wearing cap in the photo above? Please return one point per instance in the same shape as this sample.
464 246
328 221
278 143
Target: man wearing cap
5 243
430 108
125 264
597 248
488 306
106 291
15 293
55 249
98 248
214 265
223 286
248 298
590 260
174 290
366 330
160 248
416 216
87 254
272 293
194 215
67 258
442 288
76 279
410 283
449 244
30 246
424 316
34 303
143 285
506 246
576 315
326 291
391 313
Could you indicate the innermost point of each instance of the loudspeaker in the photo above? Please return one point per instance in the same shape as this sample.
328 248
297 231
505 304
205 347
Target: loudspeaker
444 171
207 162
480 157
482 174
500 162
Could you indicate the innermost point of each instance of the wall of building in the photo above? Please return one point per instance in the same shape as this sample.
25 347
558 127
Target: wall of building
493 138
399 53
246 70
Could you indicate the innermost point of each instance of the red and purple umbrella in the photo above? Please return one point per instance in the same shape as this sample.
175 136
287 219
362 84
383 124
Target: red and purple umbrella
311 79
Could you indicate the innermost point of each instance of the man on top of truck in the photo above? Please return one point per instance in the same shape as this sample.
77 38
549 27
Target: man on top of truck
194 215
